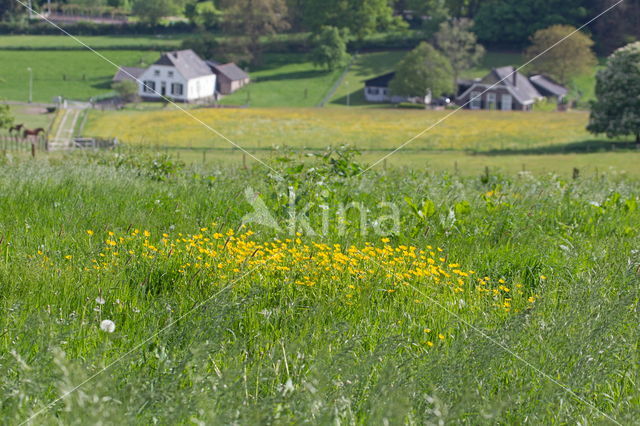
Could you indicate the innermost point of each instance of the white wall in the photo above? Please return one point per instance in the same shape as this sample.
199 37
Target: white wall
202 87
383 95
376 94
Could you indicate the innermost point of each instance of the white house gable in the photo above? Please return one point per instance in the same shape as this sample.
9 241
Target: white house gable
181 76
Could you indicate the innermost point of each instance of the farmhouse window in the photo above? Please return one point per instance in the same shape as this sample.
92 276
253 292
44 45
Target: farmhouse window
149 86
507 103
373 91
157 73
170 73
476 100
491 101
176 89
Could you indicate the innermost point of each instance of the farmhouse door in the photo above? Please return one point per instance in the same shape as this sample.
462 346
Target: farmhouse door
163 88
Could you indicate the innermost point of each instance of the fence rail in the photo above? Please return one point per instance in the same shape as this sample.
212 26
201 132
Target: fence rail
17 143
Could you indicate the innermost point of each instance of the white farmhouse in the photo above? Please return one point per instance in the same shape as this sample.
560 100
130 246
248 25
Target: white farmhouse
181 76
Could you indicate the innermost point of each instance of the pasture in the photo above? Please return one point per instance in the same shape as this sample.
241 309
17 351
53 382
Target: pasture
284 80
493 300
72 74
382 129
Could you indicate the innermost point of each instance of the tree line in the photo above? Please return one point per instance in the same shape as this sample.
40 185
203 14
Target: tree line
498 23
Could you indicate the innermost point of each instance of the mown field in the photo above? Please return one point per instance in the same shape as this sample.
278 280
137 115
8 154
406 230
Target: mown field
285 80
130 292
99 42
72 74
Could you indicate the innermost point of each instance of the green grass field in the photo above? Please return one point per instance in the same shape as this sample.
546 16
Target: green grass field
97 42
130 293
285 80
72 74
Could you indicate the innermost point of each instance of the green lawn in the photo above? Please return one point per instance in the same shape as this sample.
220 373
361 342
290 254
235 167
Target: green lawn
285 80
65 42
72 74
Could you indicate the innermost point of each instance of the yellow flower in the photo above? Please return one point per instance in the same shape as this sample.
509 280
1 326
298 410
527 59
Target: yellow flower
532 299
68 257
542 277
89 231
427 330
430 343
441 336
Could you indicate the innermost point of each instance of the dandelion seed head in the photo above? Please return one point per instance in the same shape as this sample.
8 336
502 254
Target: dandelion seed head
108 326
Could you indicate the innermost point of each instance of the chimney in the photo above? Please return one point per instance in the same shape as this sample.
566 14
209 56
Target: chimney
515 77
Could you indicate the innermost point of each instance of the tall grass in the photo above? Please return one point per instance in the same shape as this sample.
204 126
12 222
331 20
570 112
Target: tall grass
263 349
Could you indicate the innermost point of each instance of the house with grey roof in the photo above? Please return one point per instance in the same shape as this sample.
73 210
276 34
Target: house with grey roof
506 89
181 76
230 77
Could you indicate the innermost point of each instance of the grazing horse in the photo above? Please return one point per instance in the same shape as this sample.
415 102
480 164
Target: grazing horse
26 133
16 128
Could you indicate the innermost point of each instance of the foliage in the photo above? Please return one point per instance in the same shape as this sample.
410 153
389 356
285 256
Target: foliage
512 22
217 323
203 14
563 52
616 111
456 41
151 11
206 45
127 90
253 19
6 119
330 48
361 18
423 70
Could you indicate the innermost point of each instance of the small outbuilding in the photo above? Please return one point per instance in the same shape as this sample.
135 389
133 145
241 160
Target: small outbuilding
230 77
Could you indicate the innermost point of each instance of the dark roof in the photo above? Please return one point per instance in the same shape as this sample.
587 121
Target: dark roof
380 81
547 86
128 73
230 70
521 88
186 62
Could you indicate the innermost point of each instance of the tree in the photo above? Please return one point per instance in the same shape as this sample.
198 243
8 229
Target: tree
463 8
10 8
616 112
459 45
6 119
206 45
330 48
203 15
361 18
127 90
511 22
151 11
561 60
423 70
619 26
254 19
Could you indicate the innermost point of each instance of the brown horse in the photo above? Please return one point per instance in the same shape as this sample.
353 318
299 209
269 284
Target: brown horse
26 133
16 128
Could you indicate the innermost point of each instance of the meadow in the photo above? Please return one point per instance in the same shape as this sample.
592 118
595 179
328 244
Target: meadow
366 129
474 300
285 79
73 74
